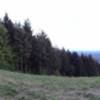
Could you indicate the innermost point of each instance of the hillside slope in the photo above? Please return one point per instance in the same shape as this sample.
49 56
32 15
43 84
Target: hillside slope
17 86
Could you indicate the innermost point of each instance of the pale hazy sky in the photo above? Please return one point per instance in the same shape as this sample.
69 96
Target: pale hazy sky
73 24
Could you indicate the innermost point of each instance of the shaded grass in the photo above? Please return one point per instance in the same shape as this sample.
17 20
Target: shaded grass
7 90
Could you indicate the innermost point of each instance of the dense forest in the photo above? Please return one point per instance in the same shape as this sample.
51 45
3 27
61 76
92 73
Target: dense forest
23 51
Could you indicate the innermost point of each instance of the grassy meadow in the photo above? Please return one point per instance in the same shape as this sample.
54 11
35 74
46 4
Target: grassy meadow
18 86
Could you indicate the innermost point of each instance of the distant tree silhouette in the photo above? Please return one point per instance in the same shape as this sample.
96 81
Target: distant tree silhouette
34 53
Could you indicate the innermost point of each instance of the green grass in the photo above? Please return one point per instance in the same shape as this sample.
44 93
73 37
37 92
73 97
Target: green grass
17 86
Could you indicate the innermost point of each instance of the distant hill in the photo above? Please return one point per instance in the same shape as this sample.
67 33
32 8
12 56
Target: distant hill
95 54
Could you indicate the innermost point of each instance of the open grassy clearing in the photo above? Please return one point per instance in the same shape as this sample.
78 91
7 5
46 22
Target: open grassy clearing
17 86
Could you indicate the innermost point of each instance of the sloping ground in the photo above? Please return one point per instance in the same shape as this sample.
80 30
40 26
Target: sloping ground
17 86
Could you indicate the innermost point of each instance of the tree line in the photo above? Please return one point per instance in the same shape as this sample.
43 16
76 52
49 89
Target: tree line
23 51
